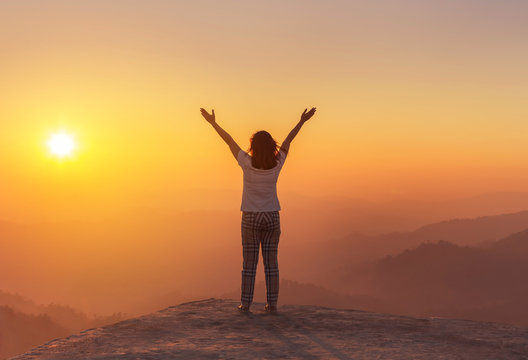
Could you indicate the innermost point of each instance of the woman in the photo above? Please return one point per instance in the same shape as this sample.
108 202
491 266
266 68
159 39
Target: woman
260 206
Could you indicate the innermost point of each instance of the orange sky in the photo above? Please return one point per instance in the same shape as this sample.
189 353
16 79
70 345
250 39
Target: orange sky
423 99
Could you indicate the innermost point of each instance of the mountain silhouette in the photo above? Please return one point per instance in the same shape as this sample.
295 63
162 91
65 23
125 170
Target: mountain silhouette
24 324
320 261
444 279
20 332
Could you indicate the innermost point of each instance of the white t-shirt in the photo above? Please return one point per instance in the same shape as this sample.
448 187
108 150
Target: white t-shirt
260 186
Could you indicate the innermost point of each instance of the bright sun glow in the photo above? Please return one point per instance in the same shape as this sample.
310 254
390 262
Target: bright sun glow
61 144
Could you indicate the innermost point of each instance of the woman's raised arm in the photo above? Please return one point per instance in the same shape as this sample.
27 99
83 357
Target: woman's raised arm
211 119
304 118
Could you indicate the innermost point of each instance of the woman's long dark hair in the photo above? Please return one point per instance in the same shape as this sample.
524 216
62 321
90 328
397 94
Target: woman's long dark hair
263 150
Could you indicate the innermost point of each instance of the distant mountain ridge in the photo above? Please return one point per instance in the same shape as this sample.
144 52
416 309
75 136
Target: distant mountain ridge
485 283
20 332
515 245
24 324
326 258
476 231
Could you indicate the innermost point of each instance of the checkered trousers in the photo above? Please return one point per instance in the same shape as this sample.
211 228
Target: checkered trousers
260 229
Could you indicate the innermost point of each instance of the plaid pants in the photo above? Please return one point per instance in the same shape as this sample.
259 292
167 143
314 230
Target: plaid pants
260 229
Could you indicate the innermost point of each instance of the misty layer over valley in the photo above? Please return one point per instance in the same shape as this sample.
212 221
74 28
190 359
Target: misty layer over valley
458 259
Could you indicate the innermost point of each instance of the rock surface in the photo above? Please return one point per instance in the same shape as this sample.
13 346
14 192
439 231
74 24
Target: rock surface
213 329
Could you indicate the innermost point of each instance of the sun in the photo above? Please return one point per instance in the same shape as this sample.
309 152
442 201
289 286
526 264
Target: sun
61 144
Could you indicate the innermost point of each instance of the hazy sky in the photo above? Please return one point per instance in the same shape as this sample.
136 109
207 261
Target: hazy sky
416 98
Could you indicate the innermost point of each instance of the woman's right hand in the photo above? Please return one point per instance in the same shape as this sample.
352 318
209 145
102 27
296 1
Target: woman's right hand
209 117
307 115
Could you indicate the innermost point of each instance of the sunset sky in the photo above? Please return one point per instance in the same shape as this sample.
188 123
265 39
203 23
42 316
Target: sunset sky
416 99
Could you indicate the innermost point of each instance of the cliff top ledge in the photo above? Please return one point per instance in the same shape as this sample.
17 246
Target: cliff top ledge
214 329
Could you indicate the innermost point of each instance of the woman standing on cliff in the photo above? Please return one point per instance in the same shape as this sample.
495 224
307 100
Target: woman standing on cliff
260 205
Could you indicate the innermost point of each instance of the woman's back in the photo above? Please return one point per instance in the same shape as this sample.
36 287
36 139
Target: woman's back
260 185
